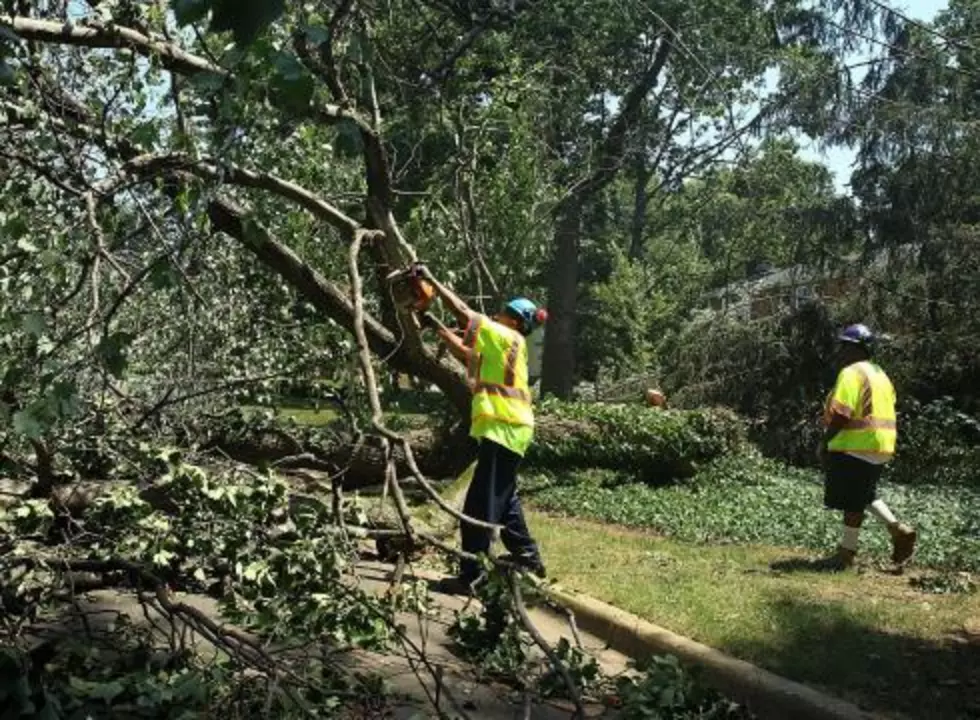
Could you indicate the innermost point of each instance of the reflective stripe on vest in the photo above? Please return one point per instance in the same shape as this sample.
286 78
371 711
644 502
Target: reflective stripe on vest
871 426
498 374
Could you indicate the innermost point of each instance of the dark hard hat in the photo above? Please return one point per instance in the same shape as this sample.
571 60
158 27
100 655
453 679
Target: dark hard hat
857 334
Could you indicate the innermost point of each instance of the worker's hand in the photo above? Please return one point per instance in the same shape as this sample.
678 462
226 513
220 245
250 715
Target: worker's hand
428 320
422 269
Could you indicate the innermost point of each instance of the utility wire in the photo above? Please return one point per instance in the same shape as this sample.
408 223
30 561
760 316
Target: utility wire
711 78
957 42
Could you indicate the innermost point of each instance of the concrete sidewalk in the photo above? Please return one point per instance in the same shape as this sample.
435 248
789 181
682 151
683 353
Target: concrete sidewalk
495 702
408 672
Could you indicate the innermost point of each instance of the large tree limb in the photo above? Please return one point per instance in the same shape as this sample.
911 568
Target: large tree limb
99 35
151 165
173 58
235 221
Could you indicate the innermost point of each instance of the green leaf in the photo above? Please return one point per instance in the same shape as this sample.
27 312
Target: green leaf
317 35
190 11
254 570
162 557
65 396
7 74
107 691
34 324
81 686
112 351
16 228
145 134
292 85
244 18
28 424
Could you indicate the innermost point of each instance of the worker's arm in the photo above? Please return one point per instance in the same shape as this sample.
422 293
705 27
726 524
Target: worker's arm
836 424
449 338
840 407
455 304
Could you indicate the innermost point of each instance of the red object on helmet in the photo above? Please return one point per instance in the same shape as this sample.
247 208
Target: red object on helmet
541 316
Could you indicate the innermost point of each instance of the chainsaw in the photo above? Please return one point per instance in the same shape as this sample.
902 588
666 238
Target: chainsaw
410 289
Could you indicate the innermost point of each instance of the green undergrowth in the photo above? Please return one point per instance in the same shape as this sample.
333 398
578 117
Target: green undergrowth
750 499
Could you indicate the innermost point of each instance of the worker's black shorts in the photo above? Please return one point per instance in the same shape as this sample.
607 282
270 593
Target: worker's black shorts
850 484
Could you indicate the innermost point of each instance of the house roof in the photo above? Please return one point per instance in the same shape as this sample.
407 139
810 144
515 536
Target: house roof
796 275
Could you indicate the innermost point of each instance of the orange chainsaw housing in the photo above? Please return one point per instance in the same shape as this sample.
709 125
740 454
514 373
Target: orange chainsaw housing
411 290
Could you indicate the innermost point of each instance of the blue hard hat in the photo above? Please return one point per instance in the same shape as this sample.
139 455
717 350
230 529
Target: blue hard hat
529 314
857 334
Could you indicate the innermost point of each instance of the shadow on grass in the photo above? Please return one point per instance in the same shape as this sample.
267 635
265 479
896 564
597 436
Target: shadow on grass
794 565
825 644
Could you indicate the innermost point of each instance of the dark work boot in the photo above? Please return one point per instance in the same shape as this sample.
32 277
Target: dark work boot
457 585
528 564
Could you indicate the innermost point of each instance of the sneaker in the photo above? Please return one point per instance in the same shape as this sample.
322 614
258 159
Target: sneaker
903 543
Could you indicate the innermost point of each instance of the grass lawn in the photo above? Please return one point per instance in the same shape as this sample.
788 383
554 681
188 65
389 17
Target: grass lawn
868 636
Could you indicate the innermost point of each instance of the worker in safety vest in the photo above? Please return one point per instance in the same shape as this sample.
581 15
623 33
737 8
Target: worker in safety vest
859 439
494 351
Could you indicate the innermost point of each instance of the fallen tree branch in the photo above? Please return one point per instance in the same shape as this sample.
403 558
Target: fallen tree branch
153 165
556 663
93 34
98 35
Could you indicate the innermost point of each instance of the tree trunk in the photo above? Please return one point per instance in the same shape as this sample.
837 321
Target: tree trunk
559 346
558 363
640 202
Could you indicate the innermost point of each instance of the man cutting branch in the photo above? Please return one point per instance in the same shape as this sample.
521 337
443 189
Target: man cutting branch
494 352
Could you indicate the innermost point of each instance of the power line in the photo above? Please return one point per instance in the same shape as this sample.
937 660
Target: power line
922 26
712 78
906 52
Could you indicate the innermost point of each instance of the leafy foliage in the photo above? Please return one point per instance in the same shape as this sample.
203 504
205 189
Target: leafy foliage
276 565
87 678
654 446
667 691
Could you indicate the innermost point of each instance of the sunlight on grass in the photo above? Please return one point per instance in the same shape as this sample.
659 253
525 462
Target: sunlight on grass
860 634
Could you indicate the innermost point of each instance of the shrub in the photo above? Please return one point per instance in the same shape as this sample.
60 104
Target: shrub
937 444
655 446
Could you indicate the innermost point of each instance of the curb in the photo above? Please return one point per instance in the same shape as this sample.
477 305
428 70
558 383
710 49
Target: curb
768 696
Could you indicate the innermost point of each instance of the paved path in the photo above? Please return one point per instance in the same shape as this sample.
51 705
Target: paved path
483 701
409 682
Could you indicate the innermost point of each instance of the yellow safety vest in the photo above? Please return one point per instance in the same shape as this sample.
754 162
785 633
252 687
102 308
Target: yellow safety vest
501 408
866 397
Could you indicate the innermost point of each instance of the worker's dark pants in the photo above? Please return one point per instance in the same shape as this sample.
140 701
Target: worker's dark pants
492 497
